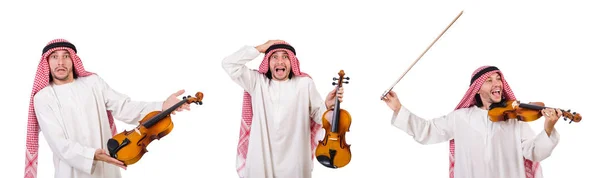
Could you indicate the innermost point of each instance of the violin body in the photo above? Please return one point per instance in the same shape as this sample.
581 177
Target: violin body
510 110
513 109
140 138
130 146
333 151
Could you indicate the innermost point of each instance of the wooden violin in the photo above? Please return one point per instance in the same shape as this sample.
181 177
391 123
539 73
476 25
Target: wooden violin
333 151
130 146
513 109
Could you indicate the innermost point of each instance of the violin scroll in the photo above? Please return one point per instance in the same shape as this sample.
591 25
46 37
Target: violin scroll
340 80
574 117
197 99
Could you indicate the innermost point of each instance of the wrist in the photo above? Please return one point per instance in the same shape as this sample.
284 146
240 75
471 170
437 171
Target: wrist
328 105
259 49
96 154
548 130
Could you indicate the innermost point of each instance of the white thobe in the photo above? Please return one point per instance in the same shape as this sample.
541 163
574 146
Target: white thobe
74 122
482 148
279 143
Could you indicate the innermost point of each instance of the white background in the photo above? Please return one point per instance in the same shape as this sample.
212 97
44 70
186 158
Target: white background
150 50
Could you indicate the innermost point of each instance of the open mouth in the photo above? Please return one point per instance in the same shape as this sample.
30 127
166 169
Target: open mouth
496 93
280 71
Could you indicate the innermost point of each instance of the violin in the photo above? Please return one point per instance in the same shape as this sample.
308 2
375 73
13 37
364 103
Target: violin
130 146
514 109
333 151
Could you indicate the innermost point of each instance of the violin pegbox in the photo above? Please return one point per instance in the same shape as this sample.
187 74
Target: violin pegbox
576 117
341 79
197 99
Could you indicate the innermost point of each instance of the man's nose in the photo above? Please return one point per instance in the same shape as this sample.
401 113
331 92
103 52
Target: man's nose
62 61
497 83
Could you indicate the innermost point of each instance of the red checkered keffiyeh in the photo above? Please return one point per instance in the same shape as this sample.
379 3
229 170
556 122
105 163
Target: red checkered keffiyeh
469 100
42 80
246 121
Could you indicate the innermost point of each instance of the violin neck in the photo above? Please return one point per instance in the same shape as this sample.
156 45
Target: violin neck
163 114
336 115
531 106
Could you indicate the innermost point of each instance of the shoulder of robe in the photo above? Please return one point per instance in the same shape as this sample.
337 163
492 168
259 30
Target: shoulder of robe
261 77
464 111
93 80
305 80
43 95
93 77
469 109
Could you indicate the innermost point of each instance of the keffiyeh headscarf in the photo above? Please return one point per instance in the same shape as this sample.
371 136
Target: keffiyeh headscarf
42 79
246 120
477 79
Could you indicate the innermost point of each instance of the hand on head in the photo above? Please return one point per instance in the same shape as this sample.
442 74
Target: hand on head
172 100
263 47
391 99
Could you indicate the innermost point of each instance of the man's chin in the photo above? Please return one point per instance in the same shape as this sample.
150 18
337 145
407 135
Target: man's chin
280 77
60 78
497 100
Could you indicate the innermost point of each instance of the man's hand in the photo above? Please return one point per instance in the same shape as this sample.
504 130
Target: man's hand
330 99
551 116
263 47
101 155
172 100
391 99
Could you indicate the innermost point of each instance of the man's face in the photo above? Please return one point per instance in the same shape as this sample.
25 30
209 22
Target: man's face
491 90
61 66
279 64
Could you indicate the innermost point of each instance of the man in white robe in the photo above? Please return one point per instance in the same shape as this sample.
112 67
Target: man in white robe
281 115
505 149
74 110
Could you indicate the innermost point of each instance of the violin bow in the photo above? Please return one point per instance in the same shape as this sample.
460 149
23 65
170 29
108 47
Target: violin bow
436 39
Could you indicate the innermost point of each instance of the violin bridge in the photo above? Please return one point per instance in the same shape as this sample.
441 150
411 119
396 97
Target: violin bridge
515 104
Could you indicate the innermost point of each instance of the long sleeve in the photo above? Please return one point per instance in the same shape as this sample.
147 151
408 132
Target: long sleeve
76 155
537 147
424 131
235 66
123 108
317 104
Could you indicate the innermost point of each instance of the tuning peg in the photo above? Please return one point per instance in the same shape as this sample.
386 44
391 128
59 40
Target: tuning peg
346 82
333 83
347 78
184 97
199 102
